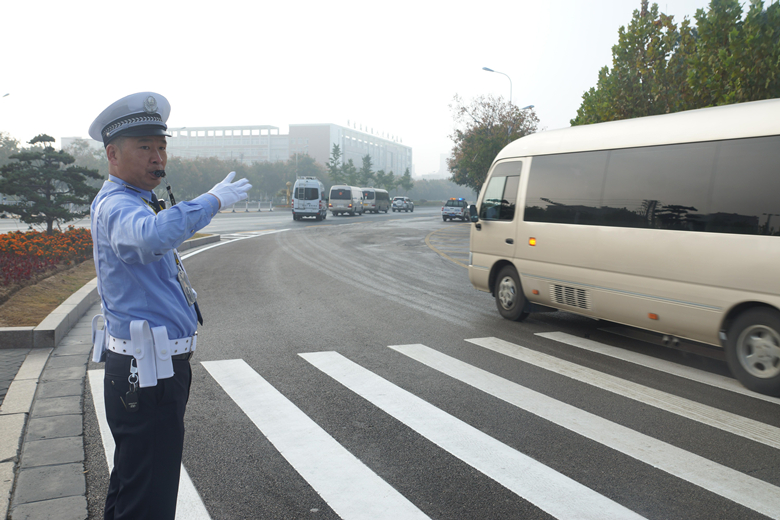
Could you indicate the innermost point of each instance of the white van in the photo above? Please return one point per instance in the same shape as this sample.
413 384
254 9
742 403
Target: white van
345 199
667 223
308 199
376 200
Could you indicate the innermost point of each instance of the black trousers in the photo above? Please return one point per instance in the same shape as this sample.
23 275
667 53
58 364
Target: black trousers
144 483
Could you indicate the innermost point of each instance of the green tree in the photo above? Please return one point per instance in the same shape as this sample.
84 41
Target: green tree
735 60
366 172
406 181
659 67
47 184
483 128
334 167
391 182
380 177
350 173
643 79
8 147
89 157
304 165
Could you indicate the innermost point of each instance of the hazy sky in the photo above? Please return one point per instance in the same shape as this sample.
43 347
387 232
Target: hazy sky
391 66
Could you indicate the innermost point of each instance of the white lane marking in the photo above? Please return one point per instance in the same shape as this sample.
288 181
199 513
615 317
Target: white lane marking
350 488
189 505
726 421
206 248
550 491
750 492
718 381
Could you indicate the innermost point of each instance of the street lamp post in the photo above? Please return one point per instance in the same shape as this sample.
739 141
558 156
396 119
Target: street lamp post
507 77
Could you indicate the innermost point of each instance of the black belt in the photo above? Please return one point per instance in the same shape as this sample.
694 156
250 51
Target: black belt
185 356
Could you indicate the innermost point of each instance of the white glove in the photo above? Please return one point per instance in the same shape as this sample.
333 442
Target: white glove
229 193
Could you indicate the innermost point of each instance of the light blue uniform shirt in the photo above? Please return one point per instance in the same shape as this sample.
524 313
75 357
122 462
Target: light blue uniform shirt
137 273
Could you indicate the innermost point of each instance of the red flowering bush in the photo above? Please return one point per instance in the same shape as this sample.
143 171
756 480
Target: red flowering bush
24 254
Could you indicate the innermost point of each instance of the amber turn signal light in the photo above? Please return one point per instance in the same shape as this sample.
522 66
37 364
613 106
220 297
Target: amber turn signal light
532 241
653 316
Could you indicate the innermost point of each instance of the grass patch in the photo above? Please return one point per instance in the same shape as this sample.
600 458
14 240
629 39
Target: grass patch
29 306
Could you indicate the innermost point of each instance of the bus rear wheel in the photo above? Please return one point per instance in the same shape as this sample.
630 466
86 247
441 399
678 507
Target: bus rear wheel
753 350
510 299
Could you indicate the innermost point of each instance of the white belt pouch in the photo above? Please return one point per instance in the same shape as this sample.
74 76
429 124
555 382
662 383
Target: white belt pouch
153 363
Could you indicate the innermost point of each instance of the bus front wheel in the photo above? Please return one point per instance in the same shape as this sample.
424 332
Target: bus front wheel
753 350
510 299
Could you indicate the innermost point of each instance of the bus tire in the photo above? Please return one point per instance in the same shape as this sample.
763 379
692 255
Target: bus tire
510 299
753 350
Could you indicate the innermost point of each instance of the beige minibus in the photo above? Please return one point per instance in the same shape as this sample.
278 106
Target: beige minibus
668 223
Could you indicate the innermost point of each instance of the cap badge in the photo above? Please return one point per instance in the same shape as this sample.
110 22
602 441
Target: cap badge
150 105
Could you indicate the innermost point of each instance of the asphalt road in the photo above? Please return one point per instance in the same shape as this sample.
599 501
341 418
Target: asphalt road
347 369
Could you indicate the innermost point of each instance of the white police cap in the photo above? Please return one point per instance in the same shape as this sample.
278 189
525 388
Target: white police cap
136 115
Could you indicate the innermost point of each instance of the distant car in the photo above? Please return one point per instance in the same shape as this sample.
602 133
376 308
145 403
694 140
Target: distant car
455 208
402 204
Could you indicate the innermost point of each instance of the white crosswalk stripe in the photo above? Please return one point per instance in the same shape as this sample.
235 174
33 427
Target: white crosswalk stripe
354 491
345 483
718 381
537 483
738 487
704 414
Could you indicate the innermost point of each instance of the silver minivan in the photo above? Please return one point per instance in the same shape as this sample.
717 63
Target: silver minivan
345 199
308 199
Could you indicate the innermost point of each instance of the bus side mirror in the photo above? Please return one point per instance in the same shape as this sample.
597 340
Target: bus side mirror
473 213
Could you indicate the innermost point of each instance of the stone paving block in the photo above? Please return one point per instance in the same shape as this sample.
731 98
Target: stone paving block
65 362
74 340
68 508
60 389
40 428
50 452
81 348
33 364
19 397
57 406
48 482
6 483
11 428
63 374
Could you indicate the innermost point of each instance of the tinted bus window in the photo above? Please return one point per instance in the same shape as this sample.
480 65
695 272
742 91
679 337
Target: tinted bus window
341 194
368 195
566 188
660 187
501 193
745 196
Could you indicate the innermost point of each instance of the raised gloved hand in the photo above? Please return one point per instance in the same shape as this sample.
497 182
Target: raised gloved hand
228 193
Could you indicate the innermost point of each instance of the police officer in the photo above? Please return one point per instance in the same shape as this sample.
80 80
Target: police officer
149 307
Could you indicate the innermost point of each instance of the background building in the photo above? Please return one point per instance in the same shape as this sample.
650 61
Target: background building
248 144
318 139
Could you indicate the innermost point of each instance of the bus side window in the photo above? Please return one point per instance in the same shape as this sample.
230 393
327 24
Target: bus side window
500 198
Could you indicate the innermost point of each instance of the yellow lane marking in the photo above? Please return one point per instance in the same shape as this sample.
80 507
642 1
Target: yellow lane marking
440 251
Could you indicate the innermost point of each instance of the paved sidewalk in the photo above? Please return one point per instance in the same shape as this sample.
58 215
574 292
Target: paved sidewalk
50 482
